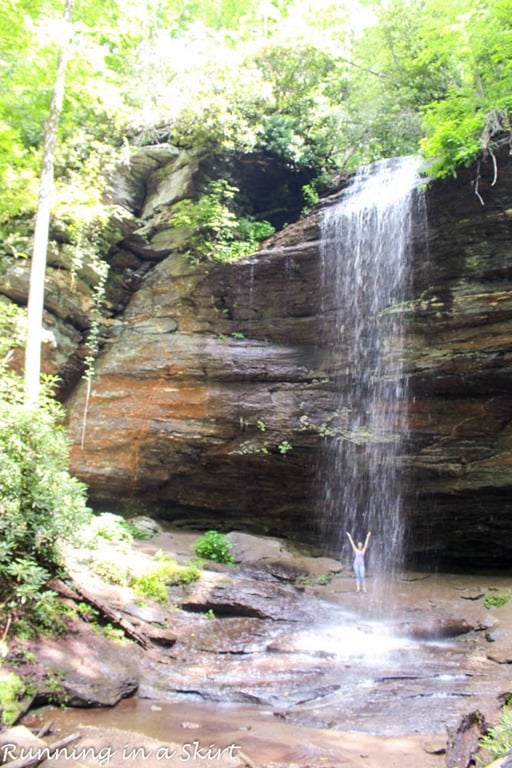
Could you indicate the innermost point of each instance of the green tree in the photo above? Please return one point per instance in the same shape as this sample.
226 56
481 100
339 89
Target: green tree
302 79
475 112
436 77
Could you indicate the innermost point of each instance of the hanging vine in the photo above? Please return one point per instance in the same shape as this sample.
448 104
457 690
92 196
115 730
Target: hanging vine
93 338
88 238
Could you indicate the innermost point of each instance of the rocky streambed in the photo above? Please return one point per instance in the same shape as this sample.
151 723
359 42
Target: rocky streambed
280 657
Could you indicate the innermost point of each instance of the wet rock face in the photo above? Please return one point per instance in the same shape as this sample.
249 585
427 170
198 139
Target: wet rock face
313 651
459 353
212 396
202 400
203 397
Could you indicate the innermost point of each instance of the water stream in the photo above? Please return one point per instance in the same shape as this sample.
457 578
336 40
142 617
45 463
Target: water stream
366 247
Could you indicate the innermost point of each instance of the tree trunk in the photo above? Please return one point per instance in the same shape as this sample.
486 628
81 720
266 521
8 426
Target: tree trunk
42 224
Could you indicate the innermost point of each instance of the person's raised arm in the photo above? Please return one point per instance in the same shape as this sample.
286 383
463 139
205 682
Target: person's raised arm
351 542
367 541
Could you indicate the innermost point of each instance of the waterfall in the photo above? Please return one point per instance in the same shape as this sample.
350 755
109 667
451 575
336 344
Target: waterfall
366 245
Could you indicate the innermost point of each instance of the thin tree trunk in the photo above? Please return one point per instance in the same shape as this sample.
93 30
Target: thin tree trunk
42 224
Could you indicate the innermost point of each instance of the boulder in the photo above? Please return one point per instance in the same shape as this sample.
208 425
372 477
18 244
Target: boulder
227 595
146 525
87 670
246 547
463 740
435 629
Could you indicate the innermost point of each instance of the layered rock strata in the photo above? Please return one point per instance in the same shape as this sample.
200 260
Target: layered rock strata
213 395
459 359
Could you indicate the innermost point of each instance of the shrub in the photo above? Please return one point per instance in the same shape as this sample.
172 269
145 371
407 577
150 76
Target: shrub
214 229
150 585
41 504
214 546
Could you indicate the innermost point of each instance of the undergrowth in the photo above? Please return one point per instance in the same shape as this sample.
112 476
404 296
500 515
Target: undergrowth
162 573
215 546
497 742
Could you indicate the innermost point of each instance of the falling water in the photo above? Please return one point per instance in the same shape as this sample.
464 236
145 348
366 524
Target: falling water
366 239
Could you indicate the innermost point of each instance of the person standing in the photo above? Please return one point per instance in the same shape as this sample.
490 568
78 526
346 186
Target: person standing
359 565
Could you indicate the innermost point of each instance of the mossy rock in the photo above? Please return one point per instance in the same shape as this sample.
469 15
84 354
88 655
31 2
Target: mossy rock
15 697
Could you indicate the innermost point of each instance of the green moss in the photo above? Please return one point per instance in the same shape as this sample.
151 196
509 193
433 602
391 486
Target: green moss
151 585
114 633
496 600
163 572
12 690
111 571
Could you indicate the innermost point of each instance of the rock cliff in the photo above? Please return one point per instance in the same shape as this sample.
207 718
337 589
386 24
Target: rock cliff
212 395
459 359
196 406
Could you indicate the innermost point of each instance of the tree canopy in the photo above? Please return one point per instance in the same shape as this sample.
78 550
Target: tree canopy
321 85
326 84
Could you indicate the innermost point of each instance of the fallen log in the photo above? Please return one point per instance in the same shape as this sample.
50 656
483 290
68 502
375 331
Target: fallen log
76 592
464 739
42 753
